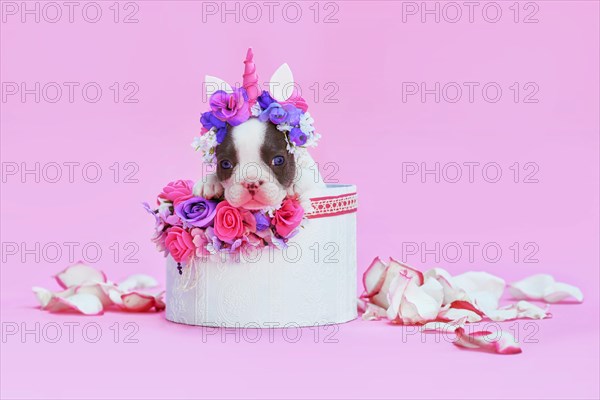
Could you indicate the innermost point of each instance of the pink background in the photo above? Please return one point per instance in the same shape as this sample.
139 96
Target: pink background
368 132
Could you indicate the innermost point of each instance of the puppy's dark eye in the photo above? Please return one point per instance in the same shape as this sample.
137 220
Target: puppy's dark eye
226 164
278 161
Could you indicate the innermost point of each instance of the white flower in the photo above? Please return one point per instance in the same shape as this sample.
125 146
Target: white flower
196 143
291 148
207 144
284 127
312 140
255 109
306 122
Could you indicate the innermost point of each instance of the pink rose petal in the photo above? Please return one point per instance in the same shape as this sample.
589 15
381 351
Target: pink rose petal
83 303
78 274
373 277
382 297
418 306
483 290
361 305
44 296
396 296
500 342
409 271
136 282
444 327
373 312
454 314
461 309
159 303
100 290
521 309
137 302
543 287
87 291
451 293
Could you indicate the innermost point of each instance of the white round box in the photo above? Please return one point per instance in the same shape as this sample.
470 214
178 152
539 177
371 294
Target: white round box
312 282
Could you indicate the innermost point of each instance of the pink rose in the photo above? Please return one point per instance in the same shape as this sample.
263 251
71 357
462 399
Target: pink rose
231 223
288 217
180 244
177 191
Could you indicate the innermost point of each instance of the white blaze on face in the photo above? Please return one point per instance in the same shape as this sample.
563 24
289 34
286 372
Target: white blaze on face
248 139
252 184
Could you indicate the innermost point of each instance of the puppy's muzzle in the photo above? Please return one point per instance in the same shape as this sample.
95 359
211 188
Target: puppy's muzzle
253 186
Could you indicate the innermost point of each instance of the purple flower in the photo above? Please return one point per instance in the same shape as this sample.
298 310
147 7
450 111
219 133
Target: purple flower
157 220
213 240
293 114
262 222
275 113
297 136
196 211
265 99
280 243
208 121
230 107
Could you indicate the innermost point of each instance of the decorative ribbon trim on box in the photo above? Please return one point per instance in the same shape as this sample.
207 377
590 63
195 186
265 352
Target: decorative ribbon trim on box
333 205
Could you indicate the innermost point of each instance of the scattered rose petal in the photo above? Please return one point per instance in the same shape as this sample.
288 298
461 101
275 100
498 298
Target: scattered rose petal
89 292
460 309
500 342
408 271
444 278
136 282
373 312
83 302
543 287
100 290
373 277
418 305
484 290
521 309
159 303
137 302
44 295
440 302
396 296
443 327
361 305
382 297
78 274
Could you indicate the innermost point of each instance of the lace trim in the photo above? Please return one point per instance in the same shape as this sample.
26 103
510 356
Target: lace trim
333 205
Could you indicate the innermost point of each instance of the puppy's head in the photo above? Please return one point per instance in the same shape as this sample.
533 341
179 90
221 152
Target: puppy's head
254 166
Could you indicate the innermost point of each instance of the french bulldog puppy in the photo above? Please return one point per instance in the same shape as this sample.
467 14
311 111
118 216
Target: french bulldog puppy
255 170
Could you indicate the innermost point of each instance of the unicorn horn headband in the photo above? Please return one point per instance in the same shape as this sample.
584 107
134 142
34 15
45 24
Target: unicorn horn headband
250 80
282 105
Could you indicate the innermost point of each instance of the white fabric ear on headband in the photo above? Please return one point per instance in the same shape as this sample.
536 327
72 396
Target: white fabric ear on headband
281 84
212 84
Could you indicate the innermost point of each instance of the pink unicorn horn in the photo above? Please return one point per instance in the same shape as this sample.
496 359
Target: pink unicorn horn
250 82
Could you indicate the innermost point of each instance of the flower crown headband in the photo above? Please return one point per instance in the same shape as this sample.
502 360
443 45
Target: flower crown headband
234 106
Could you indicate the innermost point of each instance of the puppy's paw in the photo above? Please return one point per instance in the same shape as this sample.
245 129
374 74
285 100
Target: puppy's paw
208 187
